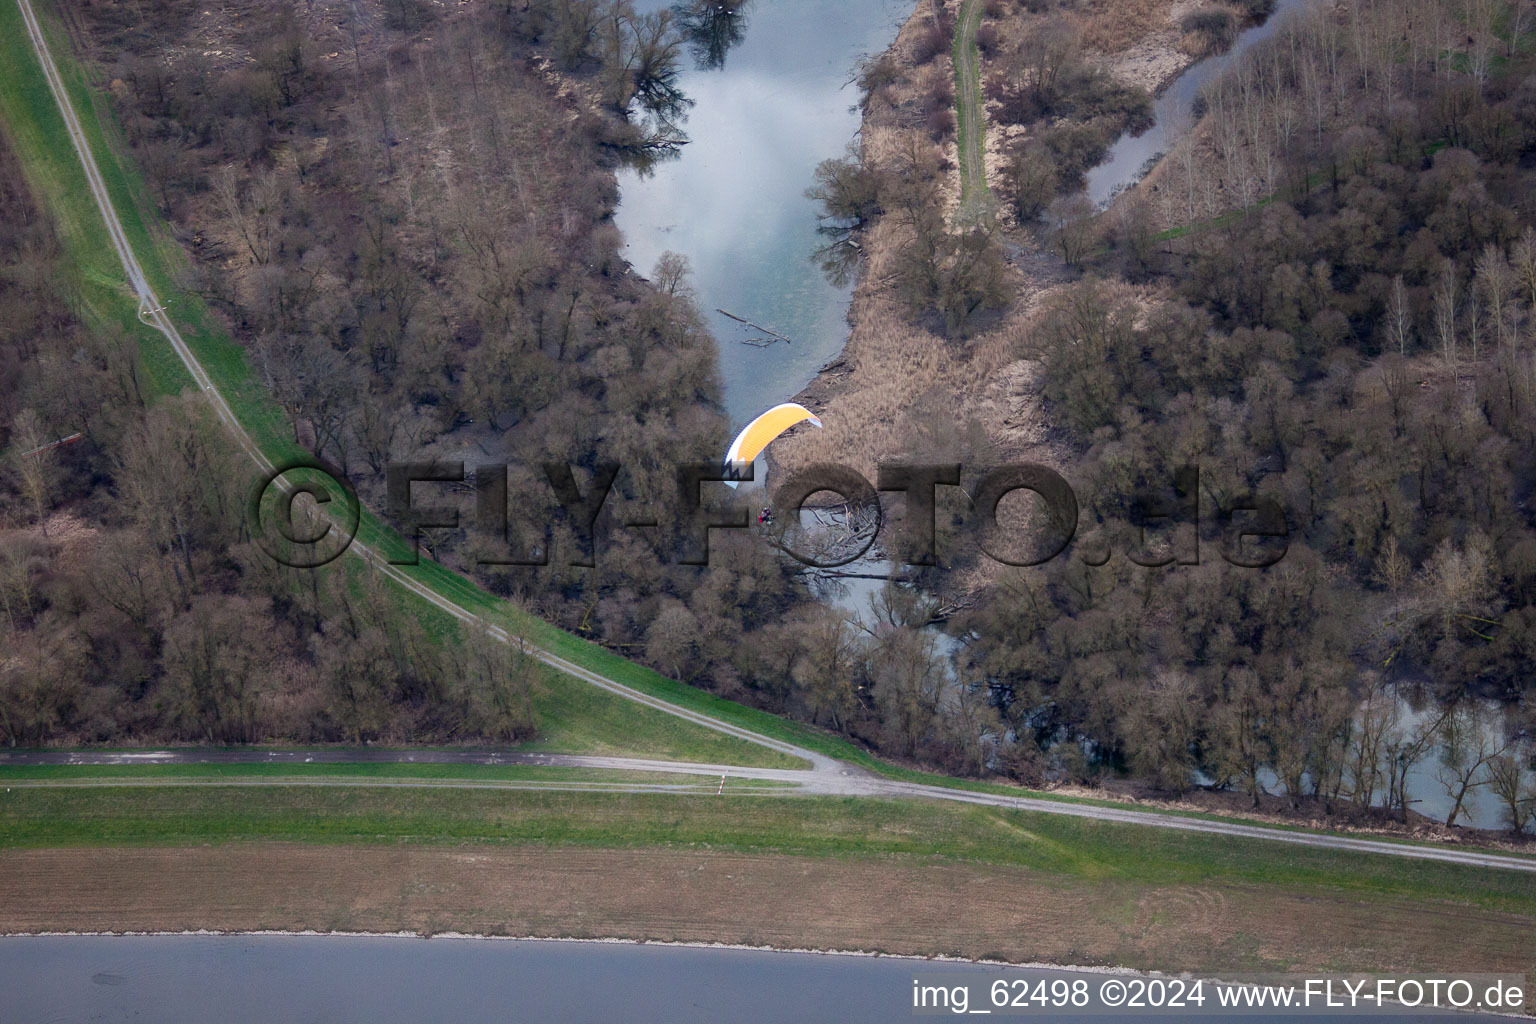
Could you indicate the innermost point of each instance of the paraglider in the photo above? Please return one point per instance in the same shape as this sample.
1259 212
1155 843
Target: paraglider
761 432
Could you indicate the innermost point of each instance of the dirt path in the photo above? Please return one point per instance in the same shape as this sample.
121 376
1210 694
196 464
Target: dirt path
969 109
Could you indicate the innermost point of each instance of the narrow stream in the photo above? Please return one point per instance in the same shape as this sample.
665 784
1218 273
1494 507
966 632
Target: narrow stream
1129 157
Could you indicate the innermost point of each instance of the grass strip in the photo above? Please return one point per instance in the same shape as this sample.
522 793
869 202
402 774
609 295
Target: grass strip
823 826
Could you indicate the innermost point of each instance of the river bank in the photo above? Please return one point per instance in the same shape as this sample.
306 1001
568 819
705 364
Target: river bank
887 905
899 388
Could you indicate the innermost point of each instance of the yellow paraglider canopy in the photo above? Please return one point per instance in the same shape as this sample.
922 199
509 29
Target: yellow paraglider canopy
761 432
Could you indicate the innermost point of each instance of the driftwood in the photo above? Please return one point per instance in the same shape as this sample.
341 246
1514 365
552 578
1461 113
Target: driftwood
755 327
834 574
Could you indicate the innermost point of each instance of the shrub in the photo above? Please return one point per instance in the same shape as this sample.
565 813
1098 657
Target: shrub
932 40
941 123
876 77
1210 30
943 93
1076 148
1254 10
989 40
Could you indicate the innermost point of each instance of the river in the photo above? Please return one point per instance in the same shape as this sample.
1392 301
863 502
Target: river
255 979
734 202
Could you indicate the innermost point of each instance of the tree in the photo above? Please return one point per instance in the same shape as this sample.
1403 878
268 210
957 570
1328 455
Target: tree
177 481
848 191
1240 751
1511 780
573 30
825 674
906 678
672 273
1159 731
1445 312
27 436
20 557
252 214
1524 263
315 385
1072 219
1403 748
1496 281
1456 584
1466 747
672 641
40 682
499 676
217 660
971 278
1399 315
1376 719
1043 61
1029 180
654 64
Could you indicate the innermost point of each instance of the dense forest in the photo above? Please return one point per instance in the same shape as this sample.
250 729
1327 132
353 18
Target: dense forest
1326 297
135 605
1356 344
1323 298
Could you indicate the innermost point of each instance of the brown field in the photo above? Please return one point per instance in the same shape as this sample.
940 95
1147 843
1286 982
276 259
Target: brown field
892 904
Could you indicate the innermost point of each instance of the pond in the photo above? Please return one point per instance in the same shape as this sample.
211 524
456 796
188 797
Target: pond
734 203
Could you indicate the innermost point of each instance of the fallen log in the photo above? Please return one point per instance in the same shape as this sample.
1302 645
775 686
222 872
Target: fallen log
755 327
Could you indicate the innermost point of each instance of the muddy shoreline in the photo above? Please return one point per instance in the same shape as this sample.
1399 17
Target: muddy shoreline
883 905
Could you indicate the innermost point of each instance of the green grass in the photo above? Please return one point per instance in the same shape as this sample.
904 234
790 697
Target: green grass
213 773
820 826
970 112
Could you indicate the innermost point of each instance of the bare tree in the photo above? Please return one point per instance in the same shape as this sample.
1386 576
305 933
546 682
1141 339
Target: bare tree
1376 719
1237 731
1466 747
1043 59
826 674
27 437
1517 16
1402 749
500 680
907 680
1160 729
672 274
1445 312
1509 778
1399 315
1496 281
19 558
253 215
1524 263
1073 220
